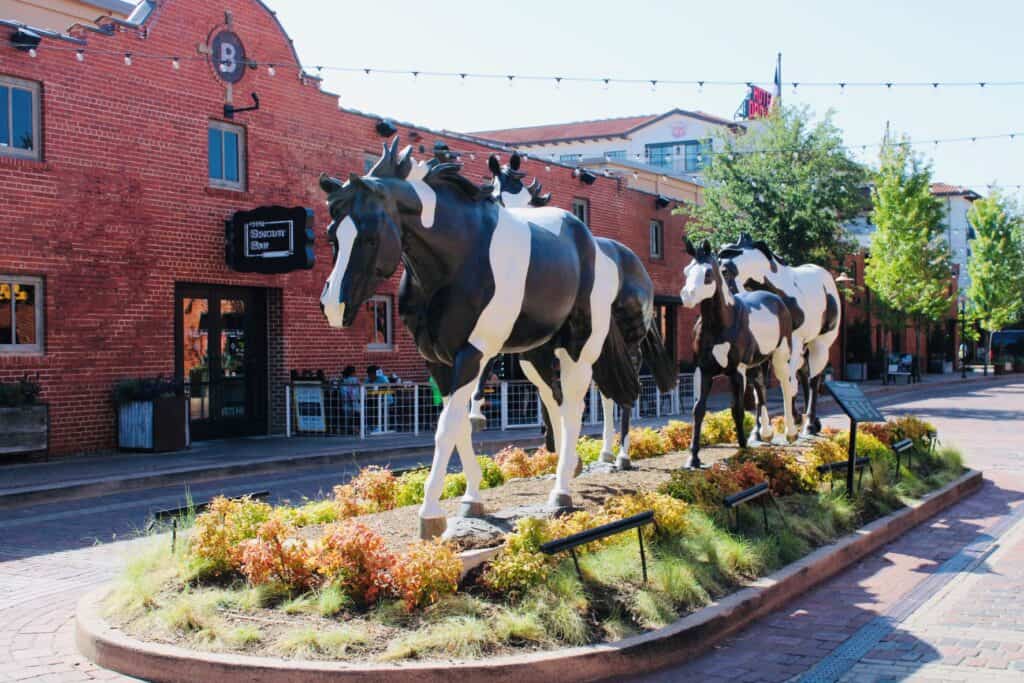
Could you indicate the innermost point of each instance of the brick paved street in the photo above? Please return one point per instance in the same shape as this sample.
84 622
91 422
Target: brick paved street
942 603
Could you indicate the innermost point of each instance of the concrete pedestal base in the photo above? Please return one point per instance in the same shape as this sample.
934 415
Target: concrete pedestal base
606 457
432 527
560 501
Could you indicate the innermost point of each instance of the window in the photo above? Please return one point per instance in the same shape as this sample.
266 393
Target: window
380 335
226 151
657 239
581 209
619 154
687 156
21 314
659 154
19 118
569 158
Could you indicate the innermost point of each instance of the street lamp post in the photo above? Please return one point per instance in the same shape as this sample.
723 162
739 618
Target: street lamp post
963 337
843 282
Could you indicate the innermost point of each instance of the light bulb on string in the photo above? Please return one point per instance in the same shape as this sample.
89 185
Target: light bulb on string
415 76
842 88
700 87
127 58
80 55
462 80
794 88
547 169
604 86
271 71
558 82
175 64
32 52
654 86
511 80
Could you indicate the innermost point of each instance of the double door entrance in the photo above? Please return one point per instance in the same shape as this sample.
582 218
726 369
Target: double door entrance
221 355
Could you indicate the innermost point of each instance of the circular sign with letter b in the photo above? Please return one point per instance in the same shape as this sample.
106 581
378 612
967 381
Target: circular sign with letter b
228 56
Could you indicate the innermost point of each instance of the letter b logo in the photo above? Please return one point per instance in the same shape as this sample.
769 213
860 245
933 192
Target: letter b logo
228 57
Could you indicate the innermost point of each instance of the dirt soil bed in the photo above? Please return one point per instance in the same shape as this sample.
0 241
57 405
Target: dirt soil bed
400 527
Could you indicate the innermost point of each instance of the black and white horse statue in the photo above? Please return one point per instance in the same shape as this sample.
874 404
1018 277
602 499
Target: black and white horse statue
733 334
479 280
810 294
634 322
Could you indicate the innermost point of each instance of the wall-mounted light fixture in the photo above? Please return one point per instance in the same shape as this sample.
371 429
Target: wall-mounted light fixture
25 40
385 128
661 201
230 110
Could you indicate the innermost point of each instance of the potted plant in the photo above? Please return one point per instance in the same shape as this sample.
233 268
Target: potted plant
151 414
24 421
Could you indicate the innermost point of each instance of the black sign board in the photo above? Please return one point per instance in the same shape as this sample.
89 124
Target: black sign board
270 239
227 54
853 402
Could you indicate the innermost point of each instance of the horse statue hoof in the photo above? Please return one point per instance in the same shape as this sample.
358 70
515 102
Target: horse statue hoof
606 457
471 508
695 463
478 424
623 463
432 527
560 502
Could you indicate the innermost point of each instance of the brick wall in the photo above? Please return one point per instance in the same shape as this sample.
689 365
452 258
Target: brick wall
119 208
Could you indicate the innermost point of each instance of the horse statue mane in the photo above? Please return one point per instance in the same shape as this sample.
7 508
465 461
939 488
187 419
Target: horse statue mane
399 165
747 242
510 179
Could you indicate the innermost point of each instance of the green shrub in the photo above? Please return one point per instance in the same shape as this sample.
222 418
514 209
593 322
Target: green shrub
454 485
720 428
410 487
520 566
492 476
588 449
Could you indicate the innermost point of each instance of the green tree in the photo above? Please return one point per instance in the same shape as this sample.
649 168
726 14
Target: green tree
996 266
908 266
789 182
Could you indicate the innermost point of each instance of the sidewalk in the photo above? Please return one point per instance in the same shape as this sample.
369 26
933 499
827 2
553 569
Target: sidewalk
87 476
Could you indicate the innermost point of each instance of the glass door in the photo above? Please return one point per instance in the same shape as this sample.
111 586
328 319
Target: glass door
221 333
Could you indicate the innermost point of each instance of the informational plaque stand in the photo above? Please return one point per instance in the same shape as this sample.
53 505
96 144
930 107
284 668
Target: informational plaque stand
859 409
309 406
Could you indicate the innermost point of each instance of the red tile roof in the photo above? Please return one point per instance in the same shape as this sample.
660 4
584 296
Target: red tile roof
943 190
581 130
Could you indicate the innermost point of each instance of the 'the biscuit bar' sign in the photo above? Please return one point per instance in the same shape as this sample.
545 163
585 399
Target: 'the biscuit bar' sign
270 239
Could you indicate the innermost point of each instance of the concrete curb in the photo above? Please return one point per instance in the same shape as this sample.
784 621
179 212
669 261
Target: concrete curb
110 648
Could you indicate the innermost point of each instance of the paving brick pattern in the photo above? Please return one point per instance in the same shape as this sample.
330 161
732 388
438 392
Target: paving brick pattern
969 629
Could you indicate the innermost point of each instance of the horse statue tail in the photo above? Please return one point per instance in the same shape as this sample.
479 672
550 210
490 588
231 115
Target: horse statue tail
614 371
658 359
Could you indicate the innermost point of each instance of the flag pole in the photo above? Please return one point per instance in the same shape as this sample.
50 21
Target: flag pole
778 78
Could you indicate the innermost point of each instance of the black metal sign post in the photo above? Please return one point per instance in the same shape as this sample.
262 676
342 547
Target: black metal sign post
859 409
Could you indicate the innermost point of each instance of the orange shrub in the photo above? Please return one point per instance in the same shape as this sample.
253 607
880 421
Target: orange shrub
824 452
355 558
677 435
915 429
278 555
785 475
376 488
347 502
880 430
543 461
645 442
514 462
217 534
428 570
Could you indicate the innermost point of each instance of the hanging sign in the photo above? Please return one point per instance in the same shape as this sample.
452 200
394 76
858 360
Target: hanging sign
227 54
270 239
757 105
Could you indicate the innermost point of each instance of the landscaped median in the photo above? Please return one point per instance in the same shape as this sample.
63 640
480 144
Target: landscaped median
350 592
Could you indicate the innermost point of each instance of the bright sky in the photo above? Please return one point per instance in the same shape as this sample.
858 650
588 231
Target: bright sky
870 40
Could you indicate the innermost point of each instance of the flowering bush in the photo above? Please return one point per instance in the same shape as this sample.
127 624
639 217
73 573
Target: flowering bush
645 442
313 512
588 449
785 475
376 488
276 555
520 565
428 570
410 488
543 461
677 435
492 475
880 430
915 429
574 523
454 485
669 513
868 445
720 428
514 462
355 558
346 499
694 487
218 533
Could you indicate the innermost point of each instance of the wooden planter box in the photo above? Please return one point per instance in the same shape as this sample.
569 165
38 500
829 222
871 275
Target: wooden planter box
24 429
159 425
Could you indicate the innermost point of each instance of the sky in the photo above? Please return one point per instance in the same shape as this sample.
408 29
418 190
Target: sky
827 40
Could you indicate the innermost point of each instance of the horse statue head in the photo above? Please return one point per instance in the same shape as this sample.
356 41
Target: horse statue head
703 275
749 262
508 184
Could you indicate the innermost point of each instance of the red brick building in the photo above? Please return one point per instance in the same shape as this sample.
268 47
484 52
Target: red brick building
115 205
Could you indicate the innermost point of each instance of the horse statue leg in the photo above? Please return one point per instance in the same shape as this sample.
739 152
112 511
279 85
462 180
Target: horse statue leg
476 412
738 382
763 427
452 427
817 359
608 434
622 461
785 364
576 377
701 387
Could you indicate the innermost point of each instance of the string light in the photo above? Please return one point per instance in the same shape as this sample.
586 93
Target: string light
271 70
176 64
32 52
127 58
80 55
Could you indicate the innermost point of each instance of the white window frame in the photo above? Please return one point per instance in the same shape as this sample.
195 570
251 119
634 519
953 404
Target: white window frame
583 204
242 156
389 343
36 153
656 233
15 348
